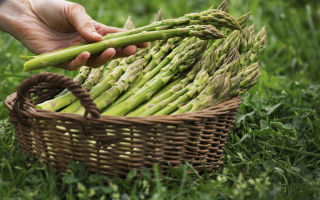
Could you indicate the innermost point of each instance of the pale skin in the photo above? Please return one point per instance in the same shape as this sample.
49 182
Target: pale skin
47 25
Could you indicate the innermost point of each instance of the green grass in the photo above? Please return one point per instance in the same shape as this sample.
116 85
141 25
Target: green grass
272 153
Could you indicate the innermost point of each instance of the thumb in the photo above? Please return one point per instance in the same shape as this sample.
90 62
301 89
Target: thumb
82 22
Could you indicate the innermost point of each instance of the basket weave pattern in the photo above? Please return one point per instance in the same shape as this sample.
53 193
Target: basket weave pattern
115 145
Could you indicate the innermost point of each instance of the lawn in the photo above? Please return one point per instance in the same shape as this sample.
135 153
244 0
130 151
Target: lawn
272 153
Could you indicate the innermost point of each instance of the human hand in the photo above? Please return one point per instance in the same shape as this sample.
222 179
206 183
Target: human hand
47 25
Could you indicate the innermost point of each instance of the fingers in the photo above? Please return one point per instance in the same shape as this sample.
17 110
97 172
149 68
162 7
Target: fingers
104 30
82 22
103 58
127 51
143 45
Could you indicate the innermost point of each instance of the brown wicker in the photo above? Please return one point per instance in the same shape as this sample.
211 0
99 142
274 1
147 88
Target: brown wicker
115 145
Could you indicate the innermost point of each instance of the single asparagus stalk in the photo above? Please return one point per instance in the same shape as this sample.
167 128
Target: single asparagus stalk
246 78
224 6
260 41
243 20
193 89
118 87
26 58
202 31
212 17
93 78
158 17
161 79
129 25
80 78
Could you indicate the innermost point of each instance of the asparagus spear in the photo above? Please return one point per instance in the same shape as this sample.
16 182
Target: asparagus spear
224 6
212 16
202 31
161 79
80 78
243 20
158 17
260 41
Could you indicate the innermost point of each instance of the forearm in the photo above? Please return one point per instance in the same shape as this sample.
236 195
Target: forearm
10 13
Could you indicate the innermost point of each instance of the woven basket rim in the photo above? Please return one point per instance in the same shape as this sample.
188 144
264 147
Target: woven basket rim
210 112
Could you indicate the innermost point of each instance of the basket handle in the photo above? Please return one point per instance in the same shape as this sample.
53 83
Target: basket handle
24 97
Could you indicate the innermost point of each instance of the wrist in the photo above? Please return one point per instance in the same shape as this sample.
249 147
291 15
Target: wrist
10 13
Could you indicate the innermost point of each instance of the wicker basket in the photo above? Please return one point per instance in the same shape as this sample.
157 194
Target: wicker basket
115 145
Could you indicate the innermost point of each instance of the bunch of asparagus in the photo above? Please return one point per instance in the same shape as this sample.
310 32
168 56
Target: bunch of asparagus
193 62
